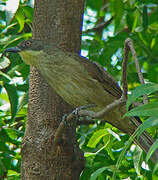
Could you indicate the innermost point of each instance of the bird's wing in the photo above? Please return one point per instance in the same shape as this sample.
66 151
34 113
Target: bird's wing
97 72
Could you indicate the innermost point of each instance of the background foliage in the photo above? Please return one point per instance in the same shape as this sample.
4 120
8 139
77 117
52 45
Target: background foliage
107 23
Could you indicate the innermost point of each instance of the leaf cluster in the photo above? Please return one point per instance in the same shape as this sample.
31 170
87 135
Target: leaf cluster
15 26
103 42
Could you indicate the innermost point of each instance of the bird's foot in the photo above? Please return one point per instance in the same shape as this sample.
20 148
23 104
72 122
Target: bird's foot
64 119
76 111
67 117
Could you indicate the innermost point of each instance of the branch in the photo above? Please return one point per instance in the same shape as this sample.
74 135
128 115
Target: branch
129 43
100 26
124 69
86 122
102 113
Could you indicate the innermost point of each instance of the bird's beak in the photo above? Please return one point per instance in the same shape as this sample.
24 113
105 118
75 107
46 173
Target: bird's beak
13 50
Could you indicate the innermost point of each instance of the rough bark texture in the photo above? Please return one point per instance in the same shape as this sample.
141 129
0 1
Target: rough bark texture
54 21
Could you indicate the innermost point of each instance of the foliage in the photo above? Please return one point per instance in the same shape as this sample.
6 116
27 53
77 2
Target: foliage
15 26
137 20
102 42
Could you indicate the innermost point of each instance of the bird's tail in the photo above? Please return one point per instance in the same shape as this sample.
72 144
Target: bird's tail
129 125
145 141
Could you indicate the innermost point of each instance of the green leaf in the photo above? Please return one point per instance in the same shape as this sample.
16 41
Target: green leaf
137 159
108 145
135 20
11 8
6 138
23 101
13 175
150 122
96 137
2 167
87 154
21 19
114 134
13 98
5 77
3 146
129 19
95 5
140 91
97 173
118 7
28 11
4 62
145 17
13 133
150 109
151 150
153 42
155 167
16 39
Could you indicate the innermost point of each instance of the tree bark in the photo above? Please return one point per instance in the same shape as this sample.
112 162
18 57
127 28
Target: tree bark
57 21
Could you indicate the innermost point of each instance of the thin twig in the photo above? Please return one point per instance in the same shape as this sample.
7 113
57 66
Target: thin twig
124 69
141 79
130 44
102 113
85 122
99 27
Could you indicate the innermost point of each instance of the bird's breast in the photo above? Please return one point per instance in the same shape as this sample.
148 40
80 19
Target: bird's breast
73 83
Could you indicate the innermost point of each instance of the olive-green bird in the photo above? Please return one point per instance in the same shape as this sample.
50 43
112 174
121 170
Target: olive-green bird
79 82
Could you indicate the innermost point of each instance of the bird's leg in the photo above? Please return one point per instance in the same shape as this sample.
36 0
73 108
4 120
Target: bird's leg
60 130
78 109
64 117
67 119
75 112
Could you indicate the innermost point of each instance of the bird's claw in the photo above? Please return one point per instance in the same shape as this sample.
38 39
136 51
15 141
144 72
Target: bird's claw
76 111
64 117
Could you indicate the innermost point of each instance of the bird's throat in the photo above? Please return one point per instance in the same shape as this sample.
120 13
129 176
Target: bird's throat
31 57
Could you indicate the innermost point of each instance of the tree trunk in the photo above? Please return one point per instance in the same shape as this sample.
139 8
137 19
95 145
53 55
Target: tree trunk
54 21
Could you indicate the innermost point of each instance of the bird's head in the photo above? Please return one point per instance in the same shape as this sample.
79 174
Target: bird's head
30 50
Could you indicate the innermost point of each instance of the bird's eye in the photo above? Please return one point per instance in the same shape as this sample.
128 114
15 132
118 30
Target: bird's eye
27 43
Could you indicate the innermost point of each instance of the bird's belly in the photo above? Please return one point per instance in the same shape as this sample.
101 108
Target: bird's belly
78 89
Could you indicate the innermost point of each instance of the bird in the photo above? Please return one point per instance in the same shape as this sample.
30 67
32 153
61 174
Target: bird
80 82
